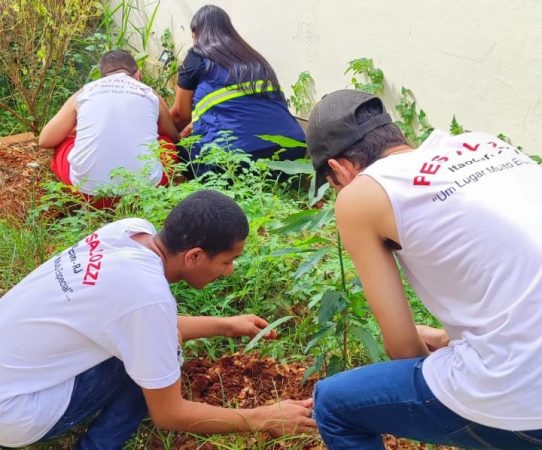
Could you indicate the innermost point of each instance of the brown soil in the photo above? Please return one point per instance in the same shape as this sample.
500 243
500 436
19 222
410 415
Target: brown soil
246 381
243 381
23 166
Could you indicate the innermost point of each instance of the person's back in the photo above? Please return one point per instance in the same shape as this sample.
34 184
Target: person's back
116 124
469 215
72 313
115 119
224 85
461 216
245 116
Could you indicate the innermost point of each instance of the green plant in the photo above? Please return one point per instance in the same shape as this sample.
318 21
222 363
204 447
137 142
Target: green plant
413 123
302 98
23 246
455 127
34 40
119 29
341 315
168 70
372 78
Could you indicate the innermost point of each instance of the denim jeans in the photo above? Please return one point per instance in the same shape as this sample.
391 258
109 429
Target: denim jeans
107 393
354 408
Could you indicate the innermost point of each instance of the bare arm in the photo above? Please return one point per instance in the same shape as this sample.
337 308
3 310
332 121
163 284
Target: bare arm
169 410
363 214
165 122
60 126
181 111
236 326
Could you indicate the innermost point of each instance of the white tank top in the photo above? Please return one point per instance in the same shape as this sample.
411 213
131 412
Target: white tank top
117 120
468 210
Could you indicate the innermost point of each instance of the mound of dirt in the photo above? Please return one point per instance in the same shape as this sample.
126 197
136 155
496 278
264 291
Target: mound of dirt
23 166
247 381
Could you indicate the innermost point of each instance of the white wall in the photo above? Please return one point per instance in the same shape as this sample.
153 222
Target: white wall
480 60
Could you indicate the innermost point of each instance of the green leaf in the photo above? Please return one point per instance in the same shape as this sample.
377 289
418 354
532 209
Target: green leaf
291 167
314 198
266 330
283 141
321 334
315 240
332 302
311 262
369 342
296 222
316 367
335 365
325 216
308 373
292 251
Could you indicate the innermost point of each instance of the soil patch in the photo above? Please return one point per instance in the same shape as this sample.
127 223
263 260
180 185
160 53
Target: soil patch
23 167
247 381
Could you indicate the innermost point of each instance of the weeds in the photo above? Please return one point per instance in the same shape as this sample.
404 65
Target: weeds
34 40
365 76
302 99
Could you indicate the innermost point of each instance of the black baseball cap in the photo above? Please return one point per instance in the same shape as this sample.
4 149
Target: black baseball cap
333 126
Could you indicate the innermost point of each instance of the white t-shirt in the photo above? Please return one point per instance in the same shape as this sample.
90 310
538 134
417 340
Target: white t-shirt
117 121
468 210
105 296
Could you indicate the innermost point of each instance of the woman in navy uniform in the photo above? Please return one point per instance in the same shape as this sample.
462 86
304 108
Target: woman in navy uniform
226 85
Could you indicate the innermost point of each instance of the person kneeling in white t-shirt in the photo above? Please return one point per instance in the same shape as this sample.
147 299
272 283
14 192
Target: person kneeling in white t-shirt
116 119
95 330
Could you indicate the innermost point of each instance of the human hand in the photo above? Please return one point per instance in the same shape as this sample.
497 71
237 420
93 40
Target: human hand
247 325
434 338
286 417
186 131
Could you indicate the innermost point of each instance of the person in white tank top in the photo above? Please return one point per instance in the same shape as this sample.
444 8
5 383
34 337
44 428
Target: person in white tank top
116 119
462 217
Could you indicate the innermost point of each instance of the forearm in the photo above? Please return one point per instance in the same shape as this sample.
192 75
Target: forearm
180 121
202 326
170 411
413 349
181 111
203 418
165 123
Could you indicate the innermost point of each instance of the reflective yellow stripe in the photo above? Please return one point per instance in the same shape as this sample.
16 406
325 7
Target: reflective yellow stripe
227 93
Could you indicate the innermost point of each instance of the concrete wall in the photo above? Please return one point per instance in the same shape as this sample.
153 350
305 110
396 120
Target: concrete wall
480 60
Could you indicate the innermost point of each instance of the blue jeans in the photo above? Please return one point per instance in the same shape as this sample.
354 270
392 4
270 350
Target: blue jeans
354 408
108 390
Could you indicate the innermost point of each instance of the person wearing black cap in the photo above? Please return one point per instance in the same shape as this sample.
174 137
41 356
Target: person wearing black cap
461 216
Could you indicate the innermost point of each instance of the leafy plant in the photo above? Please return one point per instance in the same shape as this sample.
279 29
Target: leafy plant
302 98
34 40
413 123
455 127
365 76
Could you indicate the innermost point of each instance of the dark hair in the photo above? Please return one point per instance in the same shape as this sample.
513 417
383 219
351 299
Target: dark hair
369 148
217 40
206 219
116 60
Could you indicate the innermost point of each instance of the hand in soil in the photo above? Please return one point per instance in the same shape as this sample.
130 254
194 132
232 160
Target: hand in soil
247 325
287 417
